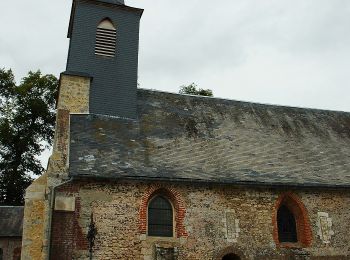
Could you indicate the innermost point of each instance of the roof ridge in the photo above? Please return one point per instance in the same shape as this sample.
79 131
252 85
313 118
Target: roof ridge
246 102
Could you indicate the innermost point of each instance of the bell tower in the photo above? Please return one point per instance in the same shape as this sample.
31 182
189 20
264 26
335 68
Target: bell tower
104 42
100 78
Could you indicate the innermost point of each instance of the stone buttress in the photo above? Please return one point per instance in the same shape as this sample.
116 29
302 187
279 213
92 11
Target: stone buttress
39 199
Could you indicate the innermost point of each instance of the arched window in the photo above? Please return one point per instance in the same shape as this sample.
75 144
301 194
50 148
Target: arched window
231 257
106 36
291 221
287 229
160 217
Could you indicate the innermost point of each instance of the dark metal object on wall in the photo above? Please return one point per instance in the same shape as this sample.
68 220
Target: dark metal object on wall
91 235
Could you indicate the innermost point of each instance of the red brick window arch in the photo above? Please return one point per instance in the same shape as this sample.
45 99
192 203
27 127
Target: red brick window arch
175 200
291 222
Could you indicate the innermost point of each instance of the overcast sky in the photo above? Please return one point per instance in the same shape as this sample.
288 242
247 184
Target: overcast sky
294 52
287 52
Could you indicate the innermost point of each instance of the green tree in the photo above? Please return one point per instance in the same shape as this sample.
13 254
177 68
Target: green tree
192 90
27 118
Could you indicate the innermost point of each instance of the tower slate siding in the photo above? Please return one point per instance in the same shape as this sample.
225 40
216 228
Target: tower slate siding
114 80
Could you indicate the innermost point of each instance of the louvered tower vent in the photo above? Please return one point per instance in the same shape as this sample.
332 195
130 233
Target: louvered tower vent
106 36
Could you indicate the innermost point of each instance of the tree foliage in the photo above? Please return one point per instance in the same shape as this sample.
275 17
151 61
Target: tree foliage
27 118
192 90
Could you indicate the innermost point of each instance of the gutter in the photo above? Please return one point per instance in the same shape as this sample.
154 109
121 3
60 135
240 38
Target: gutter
255 184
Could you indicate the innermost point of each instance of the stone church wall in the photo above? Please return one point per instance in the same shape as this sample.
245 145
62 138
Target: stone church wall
216 220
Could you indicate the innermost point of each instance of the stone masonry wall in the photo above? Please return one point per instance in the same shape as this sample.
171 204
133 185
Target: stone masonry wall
33 221
218 220
74 94
73 98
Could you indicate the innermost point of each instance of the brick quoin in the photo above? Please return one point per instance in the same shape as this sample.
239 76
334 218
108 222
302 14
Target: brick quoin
177 201
295 205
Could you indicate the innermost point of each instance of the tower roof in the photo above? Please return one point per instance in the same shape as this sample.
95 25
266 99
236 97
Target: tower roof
118 2
111 3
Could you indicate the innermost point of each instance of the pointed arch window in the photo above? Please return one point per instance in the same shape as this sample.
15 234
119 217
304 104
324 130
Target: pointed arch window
287 229
291 222
106 36
160 217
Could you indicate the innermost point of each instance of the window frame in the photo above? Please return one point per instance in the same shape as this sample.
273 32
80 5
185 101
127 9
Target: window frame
173 216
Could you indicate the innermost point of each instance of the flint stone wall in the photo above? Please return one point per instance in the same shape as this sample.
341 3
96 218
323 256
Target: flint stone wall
116 210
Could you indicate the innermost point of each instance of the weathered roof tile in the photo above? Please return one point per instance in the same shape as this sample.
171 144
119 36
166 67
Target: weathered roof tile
191 138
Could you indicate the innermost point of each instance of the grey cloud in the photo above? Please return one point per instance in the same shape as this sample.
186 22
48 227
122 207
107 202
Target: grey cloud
273 51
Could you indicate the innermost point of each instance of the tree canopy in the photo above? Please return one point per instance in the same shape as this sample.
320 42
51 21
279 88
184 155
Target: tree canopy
27 118
192 90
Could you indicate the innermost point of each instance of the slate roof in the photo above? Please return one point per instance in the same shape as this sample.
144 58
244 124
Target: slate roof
11 221
198 139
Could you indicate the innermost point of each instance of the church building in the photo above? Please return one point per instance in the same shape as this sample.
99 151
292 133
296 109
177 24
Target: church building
144 174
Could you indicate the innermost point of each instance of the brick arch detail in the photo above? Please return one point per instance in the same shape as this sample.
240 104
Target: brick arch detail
177 202
295 205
